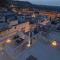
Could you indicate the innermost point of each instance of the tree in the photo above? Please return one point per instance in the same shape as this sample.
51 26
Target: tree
4 3
31 58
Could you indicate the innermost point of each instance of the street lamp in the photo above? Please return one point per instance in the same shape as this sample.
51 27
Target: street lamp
8 41
54 44
29 45
29 42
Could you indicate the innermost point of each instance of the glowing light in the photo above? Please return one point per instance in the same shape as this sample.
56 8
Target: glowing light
8 41
29 45
33 15
54 44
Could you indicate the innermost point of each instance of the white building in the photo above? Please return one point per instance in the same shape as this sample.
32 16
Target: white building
12 20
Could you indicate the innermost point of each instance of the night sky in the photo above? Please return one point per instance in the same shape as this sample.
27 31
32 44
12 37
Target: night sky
44 2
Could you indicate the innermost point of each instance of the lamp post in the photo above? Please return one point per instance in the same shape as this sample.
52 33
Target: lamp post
29 41
54 44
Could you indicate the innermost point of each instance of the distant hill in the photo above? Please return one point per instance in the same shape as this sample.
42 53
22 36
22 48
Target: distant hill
48 8
25 4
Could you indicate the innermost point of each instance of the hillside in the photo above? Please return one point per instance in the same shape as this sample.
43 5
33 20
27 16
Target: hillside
25 4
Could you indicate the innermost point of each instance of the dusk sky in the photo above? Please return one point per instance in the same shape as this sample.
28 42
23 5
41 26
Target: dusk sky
44 2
